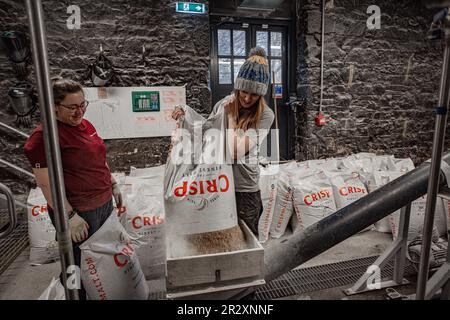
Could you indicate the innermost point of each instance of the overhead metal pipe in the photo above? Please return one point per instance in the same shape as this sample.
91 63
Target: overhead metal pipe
51 140
321 236
20 133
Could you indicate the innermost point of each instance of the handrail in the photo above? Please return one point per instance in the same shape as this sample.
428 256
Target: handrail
17 202
11 210
23 134
13 166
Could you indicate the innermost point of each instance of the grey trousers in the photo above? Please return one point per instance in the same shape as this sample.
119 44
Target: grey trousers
249 208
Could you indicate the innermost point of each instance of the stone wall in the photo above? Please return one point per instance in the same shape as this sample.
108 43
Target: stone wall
386 108
176 53
380 86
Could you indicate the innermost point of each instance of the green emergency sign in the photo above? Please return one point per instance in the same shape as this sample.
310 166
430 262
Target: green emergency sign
144 101
190 7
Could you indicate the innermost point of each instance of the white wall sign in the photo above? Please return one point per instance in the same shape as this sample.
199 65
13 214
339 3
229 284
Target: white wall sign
110 111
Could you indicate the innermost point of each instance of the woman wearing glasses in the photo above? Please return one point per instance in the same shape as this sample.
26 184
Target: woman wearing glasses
88 181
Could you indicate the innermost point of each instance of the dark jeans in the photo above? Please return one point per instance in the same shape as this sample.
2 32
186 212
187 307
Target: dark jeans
249 208
95 219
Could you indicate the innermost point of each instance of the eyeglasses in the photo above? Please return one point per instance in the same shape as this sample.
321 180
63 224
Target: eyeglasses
73 107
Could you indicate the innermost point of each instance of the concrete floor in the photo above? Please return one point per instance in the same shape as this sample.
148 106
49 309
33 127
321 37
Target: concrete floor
24 282
21 281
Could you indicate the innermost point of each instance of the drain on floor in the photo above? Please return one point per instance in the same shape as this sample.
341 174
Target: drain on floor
322 277
4 218
160 295
12 246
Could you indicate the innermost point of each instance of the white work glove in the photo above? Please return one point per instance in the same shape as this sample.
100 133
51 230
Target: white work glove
117 194
78 228
178 112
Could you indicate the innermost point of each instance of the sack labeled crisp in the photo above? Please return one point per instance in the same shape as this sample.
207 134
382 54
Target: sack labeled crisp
283 206
41 232
376 180
199 194
348 187
110 269
268 181
313 200
146 227
417 217
417 213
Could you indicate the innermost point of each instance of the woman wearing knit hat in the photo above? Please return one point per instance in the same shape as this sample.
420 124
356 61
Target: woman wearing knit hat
249 121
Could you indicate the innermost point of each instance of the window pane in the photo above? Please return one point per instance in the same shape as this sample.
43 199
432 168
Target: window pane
238 42
224 71
224 42
237 65
275 44
262 39
275 66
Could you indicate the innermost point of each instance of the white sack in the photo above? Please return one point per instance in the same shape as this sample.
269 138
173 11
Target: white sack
377 180
402 165
55 291
199 192
41 232
110 268
382 163
283 206
313 200
347 188
148 173
145 225
417 214
268 180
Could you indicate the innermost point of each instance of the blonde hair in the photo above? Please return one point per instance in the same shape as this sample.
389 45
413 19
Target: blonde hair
253 118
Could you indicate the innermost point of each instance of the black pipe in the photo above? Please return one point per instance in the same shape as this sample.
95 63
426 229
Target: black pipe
321 236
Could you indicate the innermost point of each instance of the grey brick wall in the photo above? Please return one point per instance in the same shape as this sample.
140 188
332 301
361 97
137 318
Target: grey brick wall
388 107
177 53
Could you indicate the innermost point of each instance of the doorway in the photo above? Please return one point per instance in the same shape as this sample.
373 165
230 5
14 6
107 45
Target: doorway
230 46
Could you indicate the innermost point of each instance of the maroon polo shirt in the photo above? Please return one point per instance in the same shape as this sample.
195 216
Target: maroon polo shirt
87 178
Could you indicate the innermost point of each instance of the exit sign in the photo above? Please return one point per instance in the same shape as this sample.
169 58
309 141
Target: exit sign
190 7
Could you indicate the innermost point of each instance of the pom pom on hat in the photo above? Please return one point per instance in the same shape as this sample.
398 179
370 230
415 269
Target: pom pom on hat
257 51
253 75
